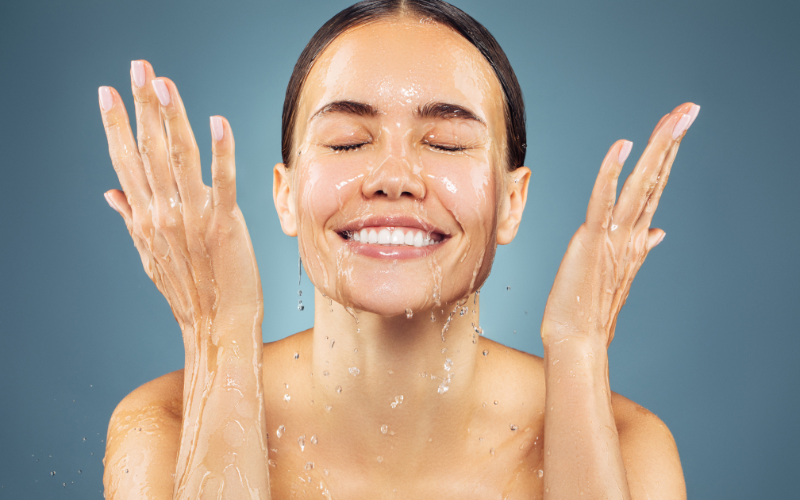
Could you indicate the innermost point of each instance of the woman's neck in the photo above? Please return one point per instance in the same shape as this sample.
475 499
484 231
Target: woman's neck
371 371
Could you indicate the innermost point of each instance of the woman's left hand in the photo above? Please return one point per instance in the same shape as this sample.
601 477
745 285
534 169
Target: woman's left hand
609 248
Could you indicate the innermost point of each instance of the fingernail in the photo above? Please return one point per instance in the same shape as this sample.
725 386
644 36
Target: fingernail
624 151
161 92
681 126
137 70
110 203
216 128
693 112
661 239
106 99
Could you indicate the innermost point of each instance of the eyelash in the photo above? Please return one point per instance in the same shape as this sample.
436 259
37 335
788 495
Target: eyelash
354 147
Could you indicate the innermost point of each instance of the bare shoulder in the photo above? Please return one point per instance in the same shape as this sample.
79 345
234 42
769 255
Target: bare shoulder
144 432
648 450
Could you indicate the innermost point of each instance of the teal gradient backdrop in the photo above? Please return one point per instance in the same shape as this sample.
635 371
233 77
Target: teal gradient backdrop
708 340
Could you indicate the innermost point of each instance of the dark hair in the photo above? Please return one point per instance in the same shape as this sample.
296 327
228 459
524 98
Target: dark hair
437 11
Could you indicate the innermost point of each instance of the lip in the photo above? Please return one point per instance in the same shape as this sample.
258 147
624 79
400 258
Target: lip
395 220
398 252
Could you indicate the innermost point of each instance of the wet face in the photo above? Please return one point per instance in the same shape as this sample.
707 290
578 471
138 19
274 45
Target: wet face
397 190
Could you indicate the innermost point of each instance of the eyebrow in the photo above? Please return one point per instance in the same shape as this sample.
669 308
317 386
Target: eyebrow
447 111
441 110
347 107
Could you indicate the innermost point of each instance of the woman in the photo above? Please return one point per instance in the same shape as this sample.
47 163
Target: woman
402 171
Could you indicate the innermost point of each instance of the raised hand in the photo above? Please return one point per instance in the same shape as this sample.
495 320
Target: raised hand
609 248
192 238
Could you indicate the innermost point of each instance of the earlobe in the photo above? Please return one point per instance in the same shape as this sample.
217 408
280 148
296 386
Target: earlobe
284 200
512 205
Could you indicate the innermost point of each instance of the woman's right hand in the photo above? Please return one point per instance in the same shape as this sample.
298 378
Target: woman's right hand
192 238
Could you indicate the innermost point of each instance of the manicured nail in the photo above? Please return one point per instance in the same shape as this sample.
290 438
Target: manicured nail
161 91
216 128
693 112
110 203
137 70
106 99
681 126
624 151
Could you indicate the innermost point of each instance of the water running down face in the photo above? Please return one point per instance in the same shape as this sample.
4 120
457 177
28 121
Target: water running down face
398 189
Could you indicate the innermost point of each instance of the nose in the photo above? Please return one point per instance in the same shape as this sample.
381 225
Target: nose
394 178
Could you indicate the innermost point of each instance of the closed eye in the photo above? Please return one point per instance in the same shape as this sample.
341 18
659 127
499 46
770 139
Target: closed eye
447 147
347 147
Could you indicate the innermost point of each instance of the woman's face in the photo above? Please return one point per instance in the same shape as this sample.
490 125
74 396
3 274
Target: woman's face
399 138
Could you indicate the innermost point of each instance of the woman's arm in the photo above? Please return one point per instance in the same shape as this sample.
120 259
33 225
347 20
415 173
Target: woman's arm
195 247
583 456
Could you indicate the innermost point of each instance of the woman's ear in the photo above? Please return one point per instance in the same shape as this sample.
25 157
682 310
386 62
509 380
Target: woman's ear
512 205
284 199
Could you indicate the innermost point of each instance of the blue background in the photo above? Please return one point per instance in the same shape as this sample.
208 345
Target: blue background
708 340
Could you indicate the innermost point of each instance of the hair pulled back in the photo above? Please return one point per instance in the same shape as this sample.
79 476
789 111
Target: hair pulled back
437 11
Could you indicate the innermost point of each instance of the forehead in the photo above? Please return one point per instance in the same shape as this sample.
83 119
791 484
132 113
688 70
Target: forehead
399 63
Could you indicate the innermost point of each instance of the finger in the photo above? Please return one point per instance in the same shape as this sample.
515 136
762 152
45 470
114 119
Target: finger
654 237
223 166
644 177
686 107
184 156
151 140
123 151
116 199
601 203
646 217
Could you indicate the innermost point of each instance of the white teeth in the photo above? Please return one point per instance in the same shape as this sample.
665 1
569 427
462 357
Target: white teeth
398 238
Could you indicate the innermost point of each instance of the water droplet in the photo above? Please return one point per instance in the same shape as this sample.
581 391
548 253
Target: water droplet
354 371
540 473
309 465
286 397
380 459
409 313
513 427
84 439
355 350
281 430
491 451
384 429
485 352
297 355
328 407
448 364
53 473
508 288
300 306
271 462
314 439
302 442
397 400
333 342
325 373
555 362
495 401
442 389
463 311
338 388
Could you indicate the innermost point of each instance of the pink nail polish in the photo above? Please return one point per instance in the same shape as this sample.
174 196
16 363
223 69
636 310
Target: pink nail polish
161 92
624 151
681 126
693 112
106 99
217 129
108 200
137 70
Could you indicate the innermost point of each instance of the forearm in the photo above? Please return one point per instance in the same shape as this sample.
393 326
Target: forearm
223 449
582 453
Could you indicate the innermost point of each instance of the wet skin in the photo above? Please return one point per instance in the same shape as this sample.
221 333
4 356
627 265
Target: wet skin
390 134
